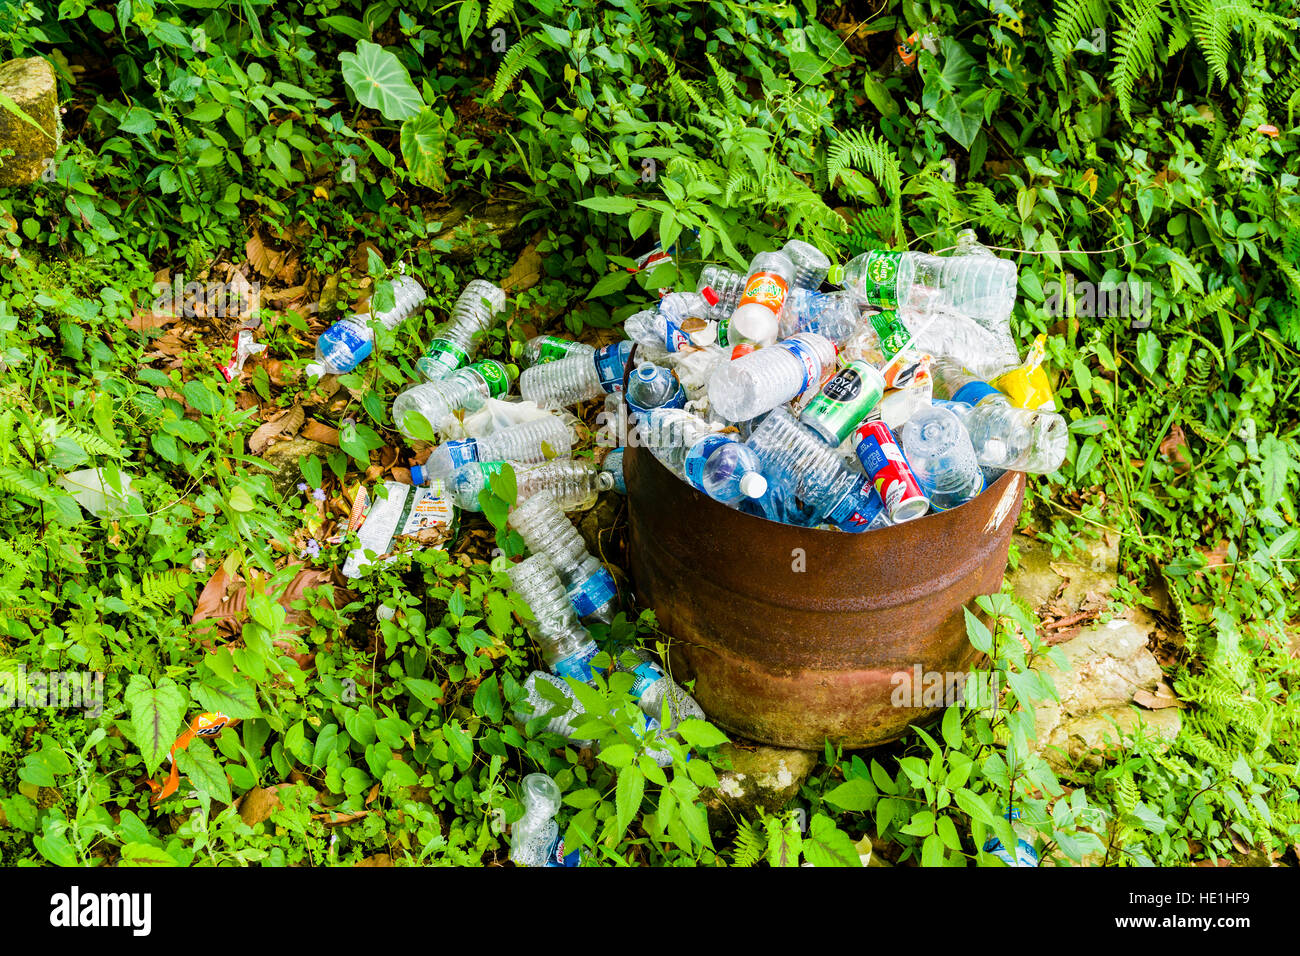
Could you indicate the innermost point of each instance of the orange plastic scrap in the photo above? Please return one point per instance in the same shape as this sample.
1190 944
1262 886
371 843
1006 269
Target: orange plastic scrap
1268 130
907 49
206 724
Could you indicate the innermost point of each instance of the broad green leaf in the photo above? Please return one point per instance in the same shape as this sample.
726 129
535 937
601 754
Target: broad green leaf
142 854
156 714
857 794
700 733
627 797
204 772
424 147
380 81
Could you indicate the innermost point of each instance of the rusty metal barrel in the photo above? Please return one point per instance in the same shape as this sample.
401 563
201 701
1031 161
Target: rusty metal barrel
795 635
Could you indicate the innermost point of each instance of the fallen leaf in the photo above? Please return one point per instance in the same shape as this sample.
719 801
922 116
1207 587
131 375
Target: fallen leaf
321 433
259 803
1158 699
283 425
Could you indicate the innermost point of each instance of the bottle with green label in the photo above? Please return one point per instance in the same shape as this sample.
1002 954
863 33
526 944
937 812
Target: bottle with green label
541 349
471 316
422 410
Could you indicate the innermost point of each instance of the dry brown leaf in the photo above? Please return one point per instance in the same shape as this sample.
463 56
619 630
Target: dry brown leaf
283 425
317 431
379 859
142 321
266 261
258 804
1158 699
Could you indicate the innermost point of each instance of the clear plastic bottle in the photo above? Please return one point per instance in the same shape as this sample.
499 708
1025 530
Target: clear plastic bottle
727 284
472 315
538 440
664 326
981 286
348 342
835 315
790 453
1025 855
613 466
756 317
576 378
653 686
566 646
713 462
939 450
755 383
1017 439
858 508
541 349
573 483
465 389
944 331
954 382
535 839
652 386
545 529
810 264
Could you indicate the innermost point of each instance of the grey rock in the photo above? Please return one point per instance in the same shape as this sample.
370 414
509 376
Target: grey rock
282 459
30 84
1090 570
472 225
767 777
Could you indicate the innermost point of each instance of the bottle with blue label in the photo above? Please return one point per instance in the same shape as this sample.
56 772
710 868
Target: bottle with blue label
576 378
859 508
613 466
652 386
566 646
541 439
547 532
713 462
1025 854
667 325
535 839
349 342
652 686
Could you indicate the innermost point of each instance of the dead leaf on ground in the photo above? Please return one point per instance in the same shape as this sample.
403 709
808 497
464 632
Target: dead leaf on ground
1158 699
265 260
322 433
284 425
379 859
260 802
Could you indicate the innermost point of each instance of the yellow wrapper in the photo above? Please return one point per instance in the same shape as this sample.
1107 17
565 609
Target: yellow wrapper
1027 386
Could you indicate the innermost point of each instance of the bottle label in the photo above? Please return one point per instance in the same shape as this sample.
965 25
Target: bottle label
551 348
463 452
972 393
489 468
893 334
647 674
766 289
611 362
674 338
724 326
441 358
856 511
698 457
555 856
578 664
880 278
592 593
812 363
845 399
494 375
344 338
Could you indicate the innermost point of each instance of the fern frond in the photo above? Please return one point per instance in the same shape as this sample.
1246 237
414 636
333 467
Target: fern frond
497 11
1075 19
727 84
1135 48
750 844
521 55
865 151
14 482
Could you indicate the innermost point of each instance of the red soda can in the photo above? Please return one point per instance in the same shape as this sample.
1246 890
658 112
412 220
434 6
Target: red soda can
889 471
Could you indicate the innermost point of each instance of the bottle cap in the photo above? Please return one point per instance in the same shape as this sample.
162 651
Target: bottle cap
753 485
417 475
744 348
314 368
835 275
710 296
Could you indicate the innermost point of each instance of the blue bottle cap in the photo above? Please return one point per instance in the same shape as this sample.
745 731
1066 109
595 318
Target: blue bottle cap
417 475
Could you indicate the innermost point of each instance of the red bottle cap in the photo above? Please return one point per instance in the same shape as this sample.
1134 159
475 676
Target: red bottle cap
710 296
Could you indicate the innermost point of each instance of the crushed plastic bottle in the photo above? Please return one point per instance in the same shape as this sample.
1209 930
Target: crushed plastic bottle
348 342
1025 854
566 646
835 315
652 386
768 377
727 286
667 326
713 462
535 839
793 456
539 440
465 389
1017 439
576 378
756 317
653 686
541 349
471 316
573 483
546 531
939 450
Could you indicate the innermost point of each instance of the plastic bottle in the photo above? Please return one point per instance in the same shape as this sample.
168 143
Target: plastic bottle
792 454
1017 439
939 450
653 686
573 483
1025 854
541 349
943 331
538 440
464 389
566 646
810 264
613 466
835 315
727 284
348 342
545 529
981 286
713 462
576 378
760 381
535 839
958 384
755 319
652 386
858 508
472 315
664 326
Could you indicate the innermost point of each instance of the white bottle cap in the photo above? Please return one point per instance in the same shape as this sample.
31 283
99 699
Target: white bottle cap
753 485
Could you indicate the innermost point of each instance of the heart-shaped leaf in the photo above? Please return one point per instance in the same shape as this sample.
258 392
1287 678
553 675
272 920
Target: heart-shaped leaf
380 81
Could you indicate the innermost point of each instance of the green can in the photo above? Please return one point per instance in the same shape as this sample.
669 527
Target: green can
844 401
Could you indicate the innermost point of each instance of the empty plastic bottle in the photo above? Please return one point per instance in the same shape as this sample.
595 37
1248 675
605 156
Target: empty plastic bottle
538 440
756 317
957 384
760 381
653 686
663 326
541 349
713 462
566 646
790 453
545 529
944 331
472 315
1017 439
613 466
858 508
810 264
835 315
348 342
981 286
727 285
652 386
576 378
573 483
1025 855
939 450
465 389
535 839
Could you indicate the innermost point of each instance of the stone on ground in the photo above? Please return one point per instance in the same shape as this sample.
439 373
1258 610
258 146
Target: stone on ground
29 83
760 776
